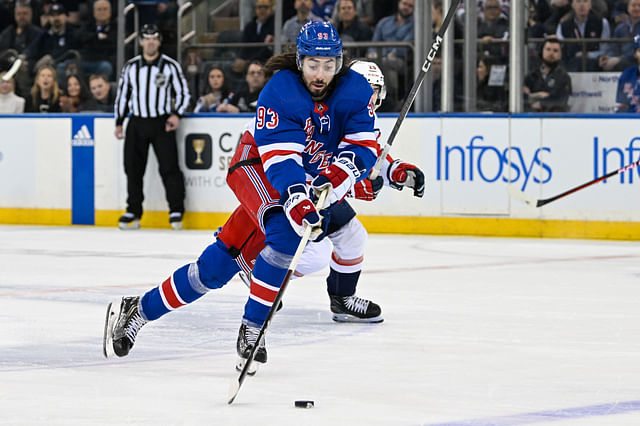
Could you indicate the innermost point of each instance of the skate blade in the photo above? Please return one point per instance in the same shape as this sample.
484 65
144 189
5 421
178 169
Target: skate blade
351 318
129 226
253 368
113 310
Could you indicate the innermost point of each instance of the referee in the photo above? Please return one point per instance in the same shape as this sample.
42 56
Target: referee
152 88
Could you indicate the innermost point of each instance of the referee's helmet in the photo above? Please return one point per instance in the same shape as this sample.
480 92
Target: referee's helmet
319 38
150 31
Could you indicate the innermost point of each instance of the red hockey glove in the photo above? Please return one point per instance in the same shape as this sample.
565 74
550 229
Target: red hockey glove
299 208
368 189
339 177
403 174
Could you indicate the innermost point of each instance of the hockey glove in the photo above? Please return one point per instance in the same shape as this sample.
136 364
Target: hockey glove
338 177
299 208
368 189
319 232
403 174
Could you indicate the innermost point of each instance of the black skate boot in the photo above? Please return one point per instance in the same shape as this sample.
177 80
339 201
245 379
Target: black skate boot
121 326
247 337
354 309
129 221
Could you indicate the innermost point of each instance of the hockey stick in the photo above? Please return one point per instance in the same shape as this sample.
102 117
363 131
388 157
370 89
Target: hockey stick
515 193
13 70
435 46
234 388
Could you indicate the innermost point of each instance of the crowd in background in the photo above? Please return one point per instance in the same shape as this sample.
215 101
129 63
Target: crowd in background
69 47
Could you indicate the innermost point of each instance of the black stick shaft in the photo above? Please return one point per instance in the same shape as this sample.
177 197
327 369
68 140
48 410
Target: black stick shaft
541 203
435 46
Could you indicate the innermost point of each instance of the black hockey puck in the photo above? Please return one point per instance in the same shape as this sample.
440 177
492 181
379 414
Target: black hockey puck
304 404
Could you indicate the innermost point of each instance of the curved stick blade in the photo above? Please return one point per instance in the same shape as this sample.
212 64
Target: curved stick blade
519 195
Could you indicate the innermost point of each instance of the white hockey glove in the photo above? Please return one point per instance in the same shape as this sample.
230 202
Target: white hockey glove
299 209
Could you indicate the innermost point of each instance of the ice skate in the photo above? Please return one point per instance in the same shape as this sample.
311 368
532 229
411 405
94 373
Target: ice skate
121 326
175 220
247 337
128 221
354 309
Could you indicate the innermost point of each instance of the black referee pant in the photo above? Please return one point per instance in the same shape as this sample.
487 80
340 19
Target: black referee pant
141 132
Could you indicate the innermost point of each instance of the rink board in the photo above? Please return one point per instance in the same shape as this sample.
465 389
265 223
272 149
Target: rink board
68 169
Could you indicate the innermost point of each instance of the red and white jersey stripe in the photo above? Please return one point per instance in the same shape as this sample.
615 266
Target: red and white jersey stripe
278 152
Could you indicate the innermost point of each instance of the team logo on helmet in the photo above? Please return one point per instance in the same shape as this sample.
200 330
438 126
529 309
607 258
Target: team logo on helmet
319 39
372 72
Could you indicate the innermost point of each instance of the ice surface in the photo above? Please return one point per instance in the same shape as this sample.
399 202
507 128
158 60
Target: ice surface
477 331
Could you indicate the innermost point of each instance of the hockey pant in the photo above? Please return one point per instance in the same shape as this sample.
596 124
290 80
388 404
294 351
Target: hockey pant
241 242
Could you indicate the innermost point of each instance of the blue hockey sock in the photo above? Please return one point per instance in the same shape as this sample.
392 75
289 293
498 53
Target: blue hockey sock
342 283
265 283
214 268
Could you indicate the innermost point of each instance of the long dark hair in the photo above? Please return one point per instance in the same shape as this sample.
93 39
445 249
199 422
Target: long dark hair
287 61
225 89
84 90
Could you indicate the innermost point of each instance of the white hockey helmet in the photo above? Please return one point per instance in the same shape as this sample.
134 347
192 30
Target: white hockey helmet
374 76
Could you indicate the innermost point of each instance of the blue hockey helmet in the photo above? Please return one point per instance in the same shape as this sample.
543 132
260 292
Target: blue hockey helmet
319 38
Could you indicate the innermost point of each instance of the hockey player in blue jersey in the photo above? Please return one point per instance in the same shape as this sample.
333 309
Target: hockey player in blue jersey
216 265
314 123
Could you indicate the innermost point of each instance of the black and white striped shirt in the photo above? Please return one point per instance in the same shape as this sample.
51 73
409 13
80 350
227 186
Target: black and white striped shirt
151 89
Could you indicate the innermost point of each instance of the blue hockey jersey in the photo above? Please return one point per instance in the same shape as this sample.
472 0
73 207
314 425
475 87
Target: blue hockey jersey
297 137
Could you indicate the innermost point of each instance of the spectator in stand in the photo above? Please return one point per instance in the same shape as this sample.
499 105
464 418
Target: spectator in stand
349 25
45 92
246 99
535 24
493 27
491 92
70 6
364 8
98 41
619 12
547 88
103 94
20 35
583 23
75 96
54 42
259 29
628 94
620 56
218 94
396 27
538 12
559 9
291 27
323 8
10 103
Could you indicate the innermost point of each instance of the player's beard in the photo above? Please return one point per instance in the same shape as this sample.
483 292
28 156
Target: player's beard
317 94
